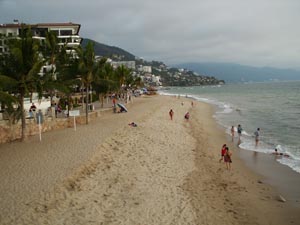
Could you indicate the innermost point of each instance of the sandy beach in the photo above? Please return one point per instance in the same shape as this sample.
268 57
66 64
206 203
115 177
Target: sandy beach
161 172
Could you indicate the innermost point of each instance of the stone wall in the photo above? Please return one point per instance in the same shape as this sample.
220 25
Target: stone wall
8 134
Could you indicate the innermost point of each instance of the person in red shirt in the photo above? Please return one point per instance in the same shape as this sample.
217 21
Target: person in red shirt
223 151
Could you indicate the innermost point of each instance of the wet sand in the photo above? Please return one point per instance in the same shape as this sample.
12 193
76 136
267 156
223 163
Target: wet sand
281 177
160 172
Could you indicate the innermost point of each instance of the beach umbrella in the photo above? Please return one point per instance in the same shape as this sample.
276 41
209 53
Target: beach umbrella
122 107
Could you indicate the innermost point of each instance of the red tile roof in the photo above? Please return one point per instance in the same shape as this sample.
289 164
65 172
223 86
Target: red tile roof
19 25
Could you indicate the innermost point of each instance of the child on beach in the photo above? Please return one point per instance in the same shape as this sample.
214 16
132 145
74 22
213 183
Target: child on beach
227 158
223 151
232 132
281 154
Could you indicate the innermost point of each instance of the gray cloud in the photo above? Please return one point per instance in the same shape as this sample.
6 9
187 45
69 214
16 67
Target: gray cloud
256 32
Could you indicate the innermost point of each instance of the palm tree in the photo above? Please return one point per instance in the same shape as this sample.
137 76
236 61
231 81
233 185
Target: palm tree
122 72
57 77
122 76
87 68
20 68
57 60
67 77
105 80
11 111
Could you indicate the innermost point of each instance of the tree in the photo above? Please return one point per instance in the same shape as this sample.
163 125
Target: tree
122 73
105 80
58 75
20 68
51 52
11 111
123 76
87 68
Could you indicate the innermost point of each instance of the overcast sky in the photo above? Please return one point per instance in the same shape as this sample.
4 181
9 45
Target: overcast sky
250 32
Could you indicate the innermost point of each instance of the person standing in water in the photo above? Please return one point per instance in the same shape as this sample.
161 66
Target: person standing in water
239 130
232 132
256 134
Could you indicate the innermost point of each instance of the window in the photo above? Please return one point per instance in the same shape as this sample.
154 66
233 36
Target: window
55 32
65 32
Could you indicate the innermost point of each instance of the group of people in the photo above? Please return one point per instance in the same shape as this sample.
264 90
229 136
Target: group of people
226 156
239 131
279 153
171 114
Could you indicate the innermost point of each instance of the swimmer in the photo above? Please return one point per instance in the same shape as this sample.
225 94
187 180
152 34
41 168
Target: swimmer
279 153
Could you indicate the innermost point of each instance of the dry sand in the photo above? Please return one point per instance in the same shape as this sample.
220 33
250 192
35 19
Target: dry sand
160 172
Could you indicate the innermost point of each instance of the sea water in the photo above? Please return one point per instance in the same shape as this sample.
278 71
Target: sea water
273 107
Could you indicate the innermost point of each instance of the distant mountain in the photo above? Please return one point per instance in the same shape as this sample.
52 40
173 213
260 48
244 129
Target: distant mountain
113 52
233 73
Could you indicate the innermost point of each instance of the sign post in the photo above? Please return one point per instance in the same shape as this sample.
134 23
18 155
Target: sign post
74 113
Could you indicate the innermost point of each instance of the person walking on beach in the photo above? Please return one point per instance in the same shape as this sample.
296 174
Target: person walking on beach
256 134
223 151
227 158
171 113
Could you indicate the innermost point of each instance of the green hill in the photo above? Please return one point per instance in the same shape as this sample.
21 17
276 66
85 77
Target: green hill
235 73
112 52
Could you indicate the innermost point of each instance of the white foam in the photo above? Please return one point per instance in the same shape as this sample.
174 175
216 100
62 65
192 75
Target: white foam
247 140
292 163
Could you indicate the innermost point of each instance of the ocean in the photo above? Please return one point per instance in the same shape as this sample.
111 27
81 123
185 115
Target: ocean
274 107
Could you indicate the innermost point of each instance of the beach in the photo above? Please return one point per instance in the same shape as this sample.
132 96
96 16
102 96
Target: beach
162 171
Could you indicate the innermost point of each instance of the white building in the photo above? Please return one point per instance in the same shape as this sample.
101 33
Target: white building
128 64
145 69
67 33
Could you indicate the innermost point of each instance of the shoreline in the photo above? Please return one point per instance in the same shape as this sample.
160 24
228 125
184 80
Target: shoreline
279 176
160 172
272 172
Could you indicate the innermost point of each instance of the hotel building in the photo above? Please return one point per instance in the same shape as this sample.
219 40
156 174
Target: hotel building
67 33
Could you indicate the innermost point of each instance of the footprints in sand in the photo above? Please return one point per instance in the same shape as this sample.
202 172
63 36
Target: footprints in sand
135 178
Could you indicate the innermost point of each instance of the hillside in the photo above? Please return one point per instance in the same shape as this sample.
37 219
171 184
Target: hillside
240 73
109 51
168 76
